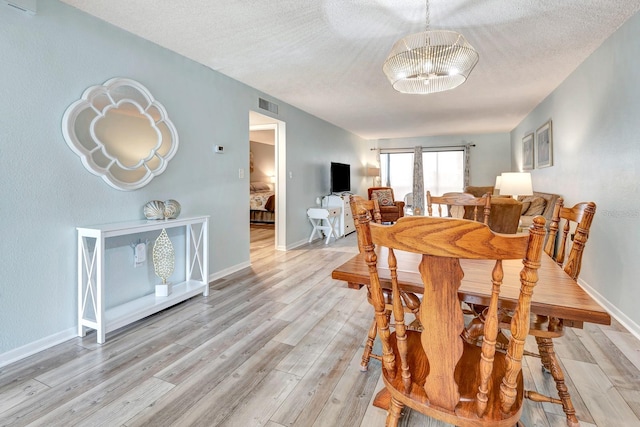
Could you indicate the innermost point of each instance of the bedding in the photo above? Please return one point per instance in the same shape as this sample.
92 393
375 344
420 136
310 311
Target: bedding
262 202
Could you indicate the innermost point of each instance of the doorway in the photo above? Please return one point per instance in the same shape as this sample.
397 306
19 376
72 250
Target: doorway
267 130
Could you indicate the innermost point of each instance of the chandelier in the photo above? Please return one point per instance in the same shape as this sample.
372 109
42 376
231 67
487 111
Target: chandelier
429 62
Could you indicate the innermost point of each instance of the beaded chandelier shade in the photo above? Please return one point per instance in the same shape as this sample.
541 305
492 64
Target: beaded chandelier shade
430 61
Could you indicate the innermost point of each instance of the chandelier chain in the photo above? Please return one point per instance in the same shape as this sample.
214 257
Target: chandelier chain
426 19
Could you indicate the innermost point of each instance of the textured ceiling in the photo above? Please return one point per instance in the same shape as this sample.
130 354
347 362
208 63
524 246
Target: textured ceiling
325 56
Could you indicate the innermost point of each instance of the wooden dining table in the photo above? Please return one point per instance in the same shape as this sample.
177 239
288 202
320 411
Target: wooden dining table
556 294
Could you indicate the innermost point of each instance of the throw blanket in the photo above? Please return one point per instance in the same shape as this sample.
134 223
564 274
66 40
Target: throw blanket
262 201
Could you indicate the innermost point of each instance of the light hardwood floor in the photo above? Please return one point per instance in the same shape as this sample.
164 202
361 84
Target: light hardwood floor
277 344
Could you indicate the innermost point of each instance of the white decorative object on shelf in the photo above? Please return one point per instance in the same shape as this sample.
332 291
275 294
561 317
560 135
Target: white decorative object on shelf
94 283
155 209
171 209
164 260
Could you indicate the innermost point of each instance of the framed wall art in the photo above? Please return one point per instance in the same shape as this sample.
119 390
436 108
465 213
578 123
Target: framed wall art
527 152
544 146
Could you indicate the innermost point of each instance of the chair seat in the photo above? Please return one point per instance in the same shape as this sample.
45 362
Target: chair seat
393 209
543 326
466 375
539 326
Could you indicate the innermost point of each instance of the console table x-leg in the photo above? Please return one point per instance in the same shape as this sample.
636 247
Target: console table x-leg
324 219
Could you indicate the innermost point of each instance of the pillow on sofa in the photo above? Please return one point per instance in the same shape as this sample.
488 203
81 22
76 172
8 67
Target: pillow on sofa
525 207
536 206
385 198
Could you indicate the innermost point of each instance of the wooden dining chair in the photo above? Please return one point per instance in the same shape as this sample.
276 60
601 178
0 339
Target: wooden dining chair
578 218
435 371
481 206
360 205
544 328
357 203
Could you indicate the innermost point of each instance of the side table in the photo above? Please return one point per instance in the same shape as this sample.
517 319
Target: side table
324 219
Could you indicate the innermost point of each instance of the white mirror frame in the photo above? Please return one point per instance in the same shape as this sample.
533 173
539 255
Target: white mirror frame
96 156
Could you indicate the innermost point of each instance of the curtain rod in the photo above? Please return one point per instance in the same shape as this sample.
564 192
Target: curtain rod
424 146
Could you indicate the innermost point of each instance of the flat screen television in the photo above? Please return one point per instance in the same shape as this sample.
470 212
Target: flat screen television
340 177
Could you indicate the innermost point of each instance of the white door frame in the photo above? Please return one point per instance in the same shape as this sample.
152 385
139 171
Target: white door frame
279 128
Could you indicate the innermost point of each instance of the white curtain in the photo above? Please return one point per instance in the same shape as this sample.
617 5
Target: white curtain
467 155
418 182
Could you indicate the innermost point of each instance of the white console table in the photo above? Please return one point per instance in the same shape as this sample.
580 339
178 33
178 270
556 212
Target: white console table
324 220
92 285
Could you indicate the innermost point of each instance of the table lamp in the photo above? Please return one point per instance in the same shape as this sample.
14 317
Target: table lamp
516 184
496 187
373 172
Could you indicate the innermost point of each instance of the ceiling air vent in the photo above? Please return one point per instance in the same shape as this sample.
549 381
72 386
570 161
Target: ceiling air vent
266 105
28 6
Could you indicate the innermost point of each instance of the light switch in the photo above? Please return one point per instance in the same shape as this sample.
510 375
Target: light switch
240 173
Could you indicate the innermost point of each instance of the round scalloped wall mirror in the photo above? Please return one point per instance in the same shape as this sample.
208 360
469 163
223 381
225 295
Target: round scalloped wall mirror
121 133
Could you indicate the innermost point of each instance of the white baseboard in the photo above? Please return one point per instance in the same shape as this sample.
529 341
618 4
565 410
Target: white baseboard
227 271
614 311
37 346
294 245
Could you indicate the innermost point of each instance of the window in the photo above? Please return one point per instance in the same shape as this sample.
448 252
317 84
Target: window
443 171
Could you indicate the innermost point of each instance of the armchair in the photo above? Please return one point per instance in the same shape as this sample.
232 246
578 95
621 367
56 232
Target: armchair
390 209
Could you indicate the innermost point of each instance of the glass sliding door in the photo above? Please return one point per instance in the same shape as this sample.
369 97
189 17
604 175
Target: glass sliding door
443 171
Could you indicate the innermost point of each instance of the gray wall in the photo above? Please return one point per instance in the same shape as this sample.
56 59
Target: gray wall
597 158
47 61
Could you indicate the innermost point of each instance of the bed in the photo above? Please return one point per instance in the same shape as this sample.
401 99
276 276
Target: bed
262 203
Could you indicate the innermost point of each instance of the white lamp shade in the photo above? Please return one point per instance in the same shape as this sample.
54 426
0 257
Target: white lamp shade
516 184
373 171
498 182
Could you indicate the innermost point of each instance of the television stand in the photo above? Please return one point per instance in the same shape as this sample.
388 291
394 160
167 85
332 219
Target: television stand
345 219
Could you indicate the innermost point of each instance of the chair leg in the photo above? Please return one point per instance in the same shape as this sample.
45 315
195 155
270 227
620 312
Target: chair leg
394 413
368 347
550 364
544 346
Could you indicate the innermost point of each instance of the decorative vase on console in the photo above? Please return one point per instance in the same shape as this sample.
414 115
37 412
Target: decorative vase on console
163 262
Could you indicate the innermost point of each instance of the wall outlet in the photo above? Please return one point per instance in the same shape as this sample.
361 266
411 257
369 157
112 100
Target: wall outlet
139 254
